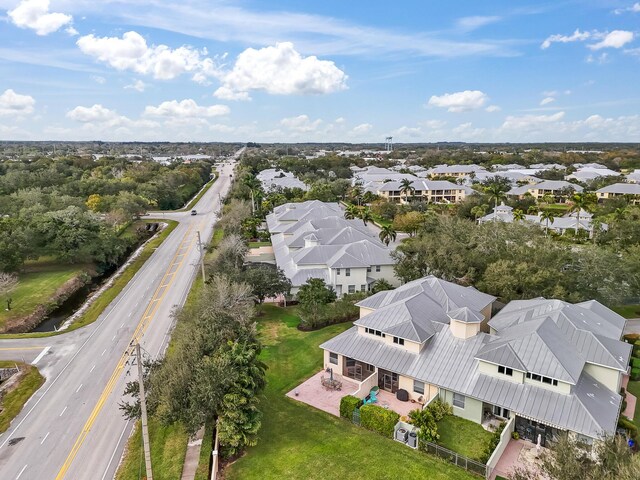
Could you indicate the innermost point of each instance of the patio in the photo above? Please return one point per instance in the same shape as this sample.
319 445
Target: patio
519 453
313 393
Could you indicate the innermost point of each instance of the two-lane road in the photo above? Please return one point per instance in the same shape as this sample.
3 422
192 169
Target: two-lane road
72 427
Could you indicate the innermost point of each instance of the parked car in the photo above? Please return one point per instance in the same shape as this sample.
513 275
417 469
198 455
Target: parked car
194 212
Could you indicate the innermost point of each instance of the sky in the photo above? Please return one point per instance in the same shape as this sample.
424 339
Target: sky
321 71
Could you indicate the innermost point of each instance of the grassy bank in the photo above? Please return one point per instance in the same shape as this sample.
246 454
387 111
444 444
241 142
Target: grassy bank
97 307
39 281
13 401
300 442
628 311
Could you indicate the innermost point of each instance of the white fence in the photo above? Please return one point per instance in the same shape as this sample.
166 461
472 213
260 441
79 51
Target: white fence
505 437
366 385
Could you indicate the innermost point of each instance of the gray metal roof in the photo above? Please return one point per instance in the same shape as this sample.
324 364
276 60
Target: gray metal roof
466 315
621 188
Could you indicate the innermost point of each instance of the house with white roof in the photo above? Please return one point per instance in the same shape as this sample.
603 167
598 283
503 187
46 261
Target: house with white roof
586 174
372 178
313 240
274 179
555 188
455 170
570 221
634 177
546 365
629 190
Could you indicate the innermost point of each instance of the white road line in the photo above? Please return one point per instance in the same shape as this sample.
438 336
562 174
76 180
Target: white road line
103 352
21 472
62 413
92 369
122 325
45 437
106 470
113 338
130 313
42 354
79 388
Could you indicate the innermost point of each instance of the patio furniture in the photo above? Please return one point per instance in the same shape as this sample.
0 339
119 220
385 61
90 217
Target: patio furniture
331 383
371 398
402 395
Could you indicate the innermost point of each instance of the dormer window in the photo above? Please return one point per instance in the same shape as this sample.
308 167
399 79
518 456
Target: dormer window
505 370
377 333
540 378
398 340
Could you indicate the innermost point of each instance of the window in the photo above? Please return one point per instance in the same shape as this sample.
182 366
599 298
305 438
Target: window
363 288
337 271
418 387
377 333
505 370
398 340
370 368
458 400
350 362
333 358
352 289
377 268
347 272
540 378
369 269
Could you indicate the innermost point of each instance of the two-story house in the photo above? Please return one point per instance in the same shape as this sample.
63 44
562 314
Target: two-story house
550 365
431 191
555 188
617 190
313 240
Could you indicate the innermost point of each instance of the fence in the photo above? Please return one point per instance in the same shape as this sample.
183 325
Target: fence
505 438
461 461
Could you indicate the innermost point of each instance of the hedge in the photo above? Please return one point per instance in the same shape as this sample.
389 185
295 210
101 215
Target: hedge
378 419
348 404
635 362
628 425
635 374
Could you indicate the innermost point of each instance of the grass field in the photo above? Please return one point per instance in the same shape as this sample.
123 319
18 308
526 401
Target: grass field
463 436
628 311
259 244
13 401
300 442
36 285
98 306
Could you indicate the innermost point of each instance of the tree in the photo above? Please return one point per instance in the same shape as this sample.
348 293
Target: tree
479 211
266 281
381 285
351 212
365 215
7 283
313 297
409 222
387 234
548 217
253 184
406 188
96 203
229 256
496 191
518 215
581 201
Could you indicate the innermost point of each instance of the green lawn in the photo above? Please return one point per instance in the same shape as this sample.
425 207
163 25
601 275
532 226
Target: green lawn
36 285
628 311
300 442
13 401
463 436
168 449
259 244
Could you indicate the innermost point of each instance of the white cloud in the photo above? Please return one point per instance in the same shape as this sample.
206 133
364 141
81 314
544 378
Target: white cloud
493 108
633 51
477 21
99 79
137 85
34 14
530 122
95 113
131 52
466 131
71 31
187 108
614 39
12 103
361 129
280 70
339 120
635 8
301 123
547 100
434 124
408 132
459 101
599 59
577 36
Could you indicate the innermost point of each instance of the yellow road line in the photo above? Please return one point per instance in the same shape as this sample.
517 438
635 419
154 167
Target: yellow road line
139 331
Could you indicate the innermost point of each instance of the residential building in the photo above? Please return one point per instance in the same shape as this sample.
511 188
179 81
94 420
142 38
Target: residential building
274 179
555 188
550 365
432 191
513 176
373 178
628 190
634 177
455 170
586 174
313 240
570 221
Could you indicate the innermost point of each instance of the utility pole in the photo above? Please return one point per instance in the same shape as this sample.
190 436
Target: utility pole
201 257
214 456
143 406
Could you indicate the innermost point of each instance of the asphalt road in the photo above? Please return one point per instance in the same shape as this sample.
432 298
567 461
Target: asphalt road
71 427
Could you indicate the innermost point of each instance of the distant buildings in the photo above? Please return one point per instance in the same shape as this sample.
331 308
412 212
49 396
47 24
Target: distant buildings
313 240
629 190
431 191
273 179
586 174
555 188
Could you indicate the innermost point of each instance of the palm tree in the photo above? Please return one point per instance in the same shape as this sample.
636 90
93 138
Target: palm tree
366 215
387 234
351 212
547 199
548 217
479 211
518 215
497 193
253 184
579 202
356 193
532 210
406 188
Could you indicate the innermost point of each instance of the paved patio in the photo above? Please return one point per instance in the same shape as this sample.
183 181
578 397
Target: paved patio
313 393
519 453
630 411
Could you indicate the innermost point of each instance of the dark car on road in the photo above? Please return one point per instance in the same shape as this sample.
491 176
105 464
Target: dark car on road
194 212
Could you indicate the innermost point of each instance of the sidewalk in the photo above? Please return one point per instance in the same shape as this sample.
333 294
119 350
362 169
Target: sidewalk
192 457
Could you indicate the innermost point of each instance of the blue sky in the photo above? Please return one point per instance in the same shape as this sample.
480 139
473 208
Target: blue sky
285 71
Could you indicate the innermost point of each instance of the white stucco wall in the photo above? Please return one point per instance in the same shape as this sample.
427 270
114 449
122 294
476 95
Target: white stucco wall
609 377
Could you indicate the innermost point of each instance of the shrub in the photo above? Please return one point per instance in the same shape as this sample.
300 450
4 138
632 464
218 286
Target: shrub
635 374
440 409
493 443
348 404
629 426
378 419
635 362
515 435
425 421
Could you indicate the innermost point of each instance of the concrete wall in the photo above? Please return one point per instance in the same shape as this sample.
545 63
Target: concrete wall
386 272
505 438
357 278
609 377
336 368
472 408
564 388
492 369
366 385
406 383
365 311
463 330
